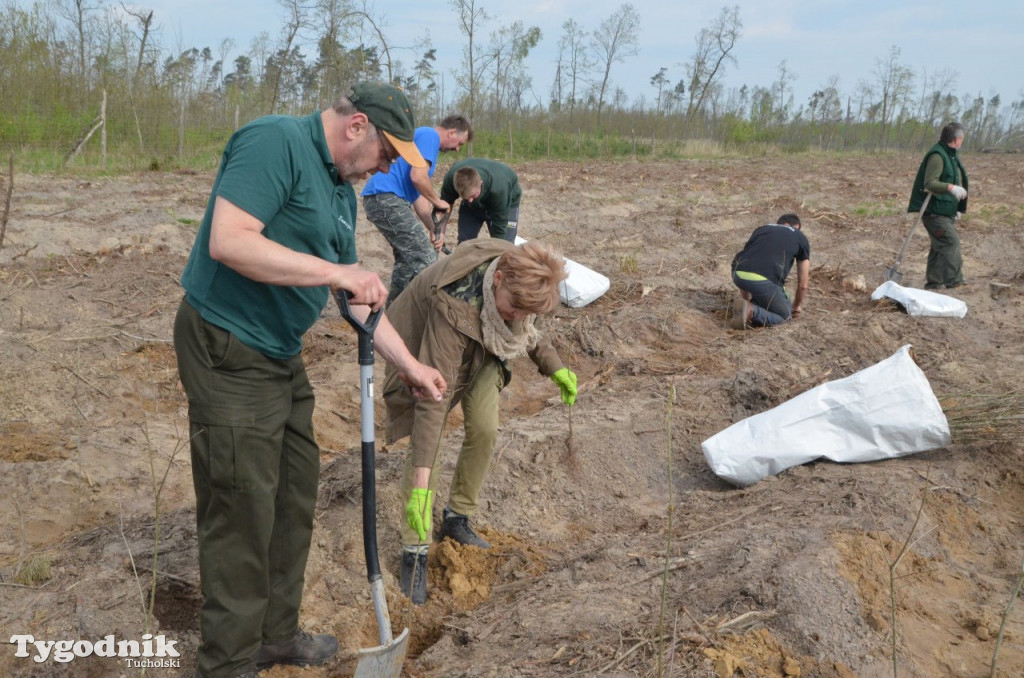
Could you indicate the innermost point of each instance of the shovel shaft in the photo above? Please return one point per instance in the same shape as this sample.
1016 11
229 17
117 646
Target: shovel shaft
894 272
384 661
364 332
369 475
380 609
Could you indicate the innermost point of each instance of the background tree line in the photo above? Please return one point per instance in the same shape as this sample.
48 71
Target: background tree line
171 105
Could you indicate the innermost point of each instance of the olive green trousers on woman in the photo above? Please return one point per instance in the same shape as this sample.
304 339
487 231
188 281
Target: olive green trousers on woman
255 466
480 421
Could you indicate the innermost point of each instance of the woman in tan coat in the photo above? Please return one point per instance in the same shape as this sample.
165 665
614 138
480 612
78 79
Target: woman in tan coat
468 316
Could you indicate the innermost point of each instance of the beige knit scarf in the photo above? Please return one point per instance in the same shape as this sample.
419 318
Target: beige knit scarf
505 340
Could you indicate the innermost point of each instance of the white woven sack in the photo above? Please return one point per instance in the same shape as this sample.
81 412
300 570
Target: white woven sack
885 411
921 302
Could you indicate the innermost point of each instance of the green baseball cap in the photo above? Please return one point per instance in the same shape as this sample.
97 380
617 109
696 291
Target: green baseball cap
390 112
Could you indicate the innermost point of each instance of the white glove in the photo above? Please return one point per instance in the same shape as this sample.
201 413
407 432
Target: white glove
959 192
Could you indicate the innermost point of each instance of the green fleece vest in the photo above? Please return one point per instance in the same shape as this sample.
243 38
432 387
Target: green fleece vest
944 204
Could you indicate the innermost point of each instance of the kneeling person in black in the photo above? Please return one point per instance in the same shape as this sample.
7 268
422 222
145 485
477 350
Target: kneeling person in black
760 270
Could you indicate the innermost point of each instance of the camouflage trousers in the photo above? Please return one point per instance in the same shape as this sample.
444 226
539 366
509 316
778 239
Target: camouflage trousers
408 238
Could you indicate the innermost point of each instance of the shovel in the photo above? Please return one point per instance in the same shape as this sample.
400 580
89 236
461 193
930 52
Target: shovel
440 218
894 273
384 661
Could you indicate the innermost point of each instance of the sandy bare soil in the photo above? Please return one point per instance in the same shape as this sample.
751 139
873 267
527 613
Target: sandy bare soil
617 551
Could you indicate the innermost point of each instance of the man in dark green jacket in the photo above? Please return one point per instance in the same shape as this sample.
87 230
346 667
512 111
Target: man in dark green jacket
490 195
943 175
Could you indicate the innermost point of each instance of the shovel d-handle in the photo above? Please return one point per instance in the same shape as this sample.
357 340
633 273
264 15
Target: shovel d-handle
364 330
440 218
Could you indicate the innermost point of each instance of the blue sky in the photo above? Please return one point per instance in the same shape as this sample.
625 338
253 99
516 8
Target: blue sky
982 40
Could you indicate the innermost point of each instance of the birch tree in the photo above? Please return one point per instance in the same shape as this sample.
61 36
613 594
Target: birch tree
471 19
613 42
706 67
895 82
508 48
574 63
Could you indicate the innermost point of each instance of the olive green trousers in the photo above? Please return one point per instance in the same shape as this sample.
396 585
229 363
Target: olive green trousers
945 258
255 467
480 422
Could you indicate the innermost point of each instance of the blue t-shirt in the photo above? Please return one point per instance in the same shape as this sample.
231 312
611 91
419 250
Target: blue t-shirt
279 170
397 179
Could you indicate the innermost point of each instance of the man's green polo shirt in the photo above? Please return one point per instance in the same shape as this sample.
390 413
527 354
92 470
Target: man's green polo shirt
279 170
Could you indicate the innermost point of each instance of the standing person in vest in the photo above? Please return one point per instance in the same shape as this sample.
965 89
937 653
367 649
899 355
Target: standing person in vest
490 195
760 270
393 201
943 175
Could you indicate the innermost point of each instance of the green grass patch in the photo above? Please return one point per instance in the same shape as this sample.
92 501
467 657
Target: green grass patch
629 265
884 209
36 571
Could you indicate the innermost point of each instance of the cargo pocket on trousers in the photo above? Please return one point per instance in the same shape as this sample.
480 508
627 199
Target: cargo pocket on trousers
219 440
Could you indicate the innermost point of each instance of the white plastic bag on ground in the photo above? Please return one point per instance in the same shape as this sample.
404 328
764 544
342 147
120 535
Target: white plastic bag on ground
885 411
921 302
583 285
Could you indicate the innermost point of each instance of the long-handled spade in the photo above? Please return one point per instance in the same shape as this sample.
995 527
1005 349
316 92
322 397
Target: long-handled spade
894 273
384 661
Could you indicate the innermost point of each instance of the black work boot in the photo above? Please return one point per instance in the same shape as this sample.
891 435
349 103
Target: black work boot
456 527
305 649
413 579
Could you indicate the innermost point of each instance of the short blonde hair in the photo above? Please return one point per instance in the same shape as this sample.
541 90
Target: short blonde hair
465 180
531 273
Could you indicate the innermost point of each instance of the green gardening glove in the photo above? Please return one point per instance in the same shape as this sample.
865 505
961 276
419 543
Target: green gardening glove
566 381
418 511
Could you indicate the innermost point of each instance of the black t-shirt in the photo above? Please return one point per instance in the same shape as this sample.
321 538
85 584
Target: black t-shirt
770 252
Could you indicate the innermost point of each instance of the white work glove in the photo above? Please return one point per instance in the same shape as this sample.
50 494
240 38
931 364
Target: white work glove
959 192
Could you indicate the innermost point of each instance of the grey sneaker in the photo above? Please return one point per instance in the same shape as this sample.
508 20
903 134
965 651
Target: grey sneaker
305 649
456 527
413 577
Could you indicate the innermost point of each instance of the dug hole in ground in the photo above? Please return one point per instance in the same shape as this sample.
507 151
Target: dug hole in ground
617 551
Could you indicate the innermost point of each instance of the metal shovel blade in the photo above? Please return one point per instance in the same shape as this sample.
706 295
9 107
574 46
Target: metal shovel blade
894 275
384 661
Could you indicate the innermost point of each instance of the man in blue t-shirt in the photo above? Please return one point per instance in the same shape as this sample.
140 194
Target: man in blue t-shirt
387 198
760 270
277 239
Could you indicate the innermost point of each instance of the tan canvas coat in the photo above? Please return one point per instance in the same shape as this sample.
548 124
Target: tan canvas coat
445 333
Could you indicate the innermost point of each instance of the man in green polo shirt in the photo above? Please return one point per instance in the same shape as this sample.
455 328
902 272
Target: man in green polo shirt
490 195
943 175
277 239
